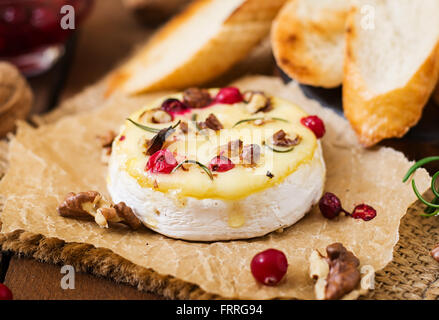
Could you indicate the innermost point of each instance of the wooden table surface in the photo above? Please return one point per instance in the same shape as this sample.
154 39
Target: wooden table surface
107 37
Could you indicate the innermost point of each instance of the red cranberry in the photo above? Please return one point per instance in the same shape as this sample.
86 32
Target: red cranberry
269 266
5 293
315 124
330 205
221 164
122 138
229 95
365 212
163 161
174 106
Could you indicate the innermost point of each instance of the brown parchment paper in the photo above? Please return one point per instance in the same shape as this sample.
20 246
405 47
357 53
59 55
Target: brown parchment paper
48 162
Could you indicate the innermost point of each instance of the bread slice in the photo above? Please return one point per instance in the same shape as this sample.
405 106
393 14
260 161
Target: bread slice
391 69
202 42
308 40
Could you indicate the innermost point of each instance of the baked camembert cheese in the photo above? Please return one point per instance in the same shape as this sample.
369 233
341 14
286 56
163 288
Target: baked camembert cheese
217 164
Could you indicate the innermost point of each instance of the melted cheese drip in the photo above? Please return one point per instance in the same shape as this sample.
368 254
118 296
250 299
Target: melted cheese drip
235 184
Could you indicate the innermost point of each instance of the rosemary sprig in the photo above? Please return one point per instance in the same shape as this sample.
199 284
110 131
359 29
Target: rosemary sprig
149 129
141 126
277 150
260 118
432 207
202 166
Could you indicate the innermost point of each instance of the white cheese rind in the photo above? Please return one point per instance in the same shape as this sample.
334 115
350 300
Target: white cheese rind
210 219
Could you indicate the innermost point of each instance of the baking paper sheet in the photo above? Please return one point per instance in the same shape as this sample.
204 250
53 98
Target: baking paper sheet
48 162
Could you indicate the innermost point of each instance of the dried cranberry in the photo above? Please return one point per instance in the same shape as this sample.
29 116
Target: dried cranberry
315 124
5 293
229 95
365 212
162 161
330 206
122 138
221 164
269 267
174 106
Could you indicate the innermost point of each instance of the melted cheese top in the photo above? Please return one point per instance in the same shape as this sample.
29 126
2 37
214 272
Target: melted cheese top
203 145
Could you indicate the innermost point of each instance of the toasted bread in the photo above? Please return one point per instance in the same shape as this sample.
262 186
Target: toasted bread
197 45
391 68
308 40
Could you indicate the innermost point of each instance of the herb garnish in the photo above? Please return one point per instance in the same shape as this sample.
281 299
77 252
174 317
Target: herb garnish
432 207
141 126
277 150
202 166
260 118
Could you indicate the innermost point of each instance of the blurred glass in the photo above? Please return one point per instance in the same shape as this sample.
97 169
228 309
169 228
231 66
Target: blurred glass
33 33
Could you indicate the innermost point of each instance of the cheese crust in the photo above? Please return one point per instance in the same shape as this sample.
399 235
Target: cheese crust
213 219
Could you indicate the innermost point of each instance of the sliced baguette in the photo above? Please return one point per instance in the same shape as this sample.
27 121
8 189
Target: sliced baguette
196 46
308 39
391 70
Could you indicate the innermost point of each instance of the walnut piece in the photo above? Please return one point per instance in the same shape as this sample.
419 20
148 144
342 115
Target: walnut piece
343 274
337 275
89 204
256 101
211 122
127 215
196 97
281 139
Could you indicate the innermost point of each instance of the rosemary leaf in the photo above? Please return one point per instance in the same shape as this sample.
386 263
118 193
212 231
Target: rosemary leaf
141 126
202 166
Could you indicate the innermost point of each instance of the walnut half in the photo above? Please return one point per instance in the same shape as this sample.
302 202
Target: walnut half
91 204
337 275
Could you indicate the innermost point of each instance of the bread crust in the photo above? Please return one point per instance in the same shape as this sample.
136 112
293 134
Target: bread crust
294 36
393 113
242 30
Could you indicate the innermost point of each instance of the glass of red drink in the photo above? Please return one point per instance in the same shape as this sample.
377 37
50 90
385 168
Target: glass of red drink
33 32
